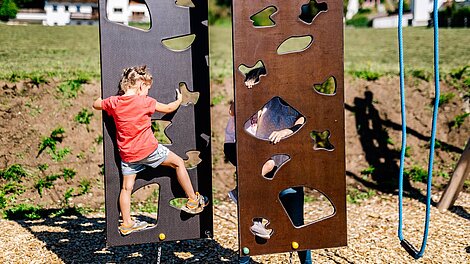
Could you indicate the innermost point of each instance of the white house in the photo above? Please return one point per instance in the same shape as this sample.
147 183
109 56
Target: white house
125 11
82 12
29 16
138 11
118 11
391 21
71 12
420 15
422 10
353 8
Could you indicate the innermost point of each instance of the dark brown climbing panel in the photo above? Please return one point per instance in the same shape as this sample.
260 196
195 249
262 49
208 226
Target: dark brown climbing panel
122 47
299 74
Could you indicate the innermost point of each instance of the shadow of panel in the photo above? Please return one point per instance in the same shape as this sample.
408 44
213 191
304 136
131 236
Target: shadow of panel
123 46
64 234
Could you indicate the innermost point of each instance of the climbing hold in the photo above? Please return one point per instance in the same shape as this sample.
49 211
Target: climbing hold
246 251
161 236
295 245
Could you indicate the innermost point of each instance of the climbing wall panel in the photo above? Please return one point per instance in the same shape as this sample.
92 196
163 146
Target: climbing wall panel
288 62
182 65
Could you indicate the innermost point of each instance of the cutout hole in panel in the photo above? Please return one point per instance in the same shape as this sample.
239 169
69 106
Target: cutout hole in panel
259 228
144 203
264 17
206 138
310 11
253 74
321 140
158 128
188 96
178 203
271 166
275 121
193 159
179 43
184 3
304 205
295 44
136 14
328 87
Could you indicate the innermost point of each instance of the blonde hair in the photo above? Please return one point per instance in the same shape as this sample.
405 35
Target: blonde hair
131 75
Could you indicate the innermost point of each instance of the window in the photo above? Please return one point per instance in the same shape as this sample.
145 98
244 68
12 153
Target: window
117 10
54 8
78 9
66 8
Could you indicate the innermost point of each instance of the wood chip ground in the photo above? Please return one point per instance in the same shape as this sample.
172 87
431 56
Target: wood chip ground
372 229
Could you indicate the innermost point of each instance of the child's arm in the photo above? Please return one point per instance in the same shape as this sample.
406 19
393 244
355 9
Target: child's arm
276 136
171 107
97 104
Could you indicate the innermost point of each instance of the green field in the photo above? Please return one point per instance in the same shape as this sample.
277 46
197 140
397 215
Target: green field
220 39
377 49
68 51
49 51
373 49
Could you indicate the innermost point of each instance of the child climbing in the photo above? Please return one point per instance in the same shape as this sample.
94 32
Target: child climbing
275 122
131 110
258 228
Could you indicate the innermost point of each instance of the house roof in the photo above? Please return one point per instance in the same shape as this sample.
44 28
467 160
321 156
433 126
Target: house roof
32 11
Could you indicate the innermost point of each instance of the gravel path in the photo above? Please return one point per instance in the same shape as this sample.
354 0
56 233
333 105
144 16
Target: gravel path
371 231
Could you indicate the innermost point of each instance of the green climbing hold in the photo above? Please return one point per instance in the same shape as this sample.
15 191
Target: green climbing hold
246 251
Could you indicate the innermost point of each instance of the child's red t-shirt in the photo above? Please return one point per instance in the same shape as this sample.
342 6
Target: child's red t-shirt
132 116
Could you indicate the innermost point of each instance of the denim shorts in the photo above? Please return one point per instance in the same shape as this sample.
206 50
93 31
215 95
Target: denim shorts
153 160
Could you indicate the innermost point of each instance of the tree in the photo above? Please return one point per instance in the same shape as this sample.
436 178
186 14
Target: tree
29 3
8 10
224 3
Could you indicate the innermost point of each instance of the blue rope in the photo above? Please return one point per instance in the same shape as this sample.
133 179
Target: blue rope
403 241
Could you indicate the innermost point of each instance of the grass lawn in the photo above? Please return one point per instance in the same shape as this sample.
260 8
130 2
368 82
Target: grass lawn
220 39
372 49
49 51
377 49
73 50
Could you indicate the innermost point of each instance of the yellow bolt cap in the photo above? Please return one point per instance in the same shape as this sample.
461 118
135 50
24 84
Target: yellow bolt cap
162 236
295 245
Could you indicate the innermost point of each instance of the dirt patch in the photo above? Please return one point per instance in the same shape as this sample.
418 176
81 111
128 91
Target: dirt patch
373 131
29 113
223 173
373 134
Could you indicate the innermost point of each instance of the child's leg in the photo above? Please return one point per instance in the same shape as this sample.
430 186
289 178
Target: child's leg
125 199
177 163
268 167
